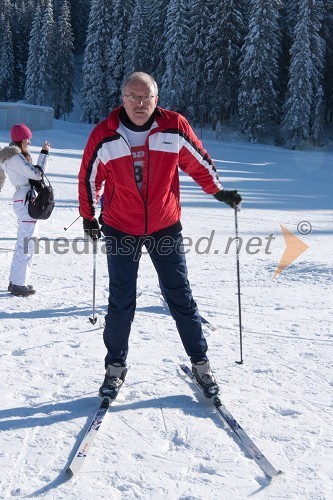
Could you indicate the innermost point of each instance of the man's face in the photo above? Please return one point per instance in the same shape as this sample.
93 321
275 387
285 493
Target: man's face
139 101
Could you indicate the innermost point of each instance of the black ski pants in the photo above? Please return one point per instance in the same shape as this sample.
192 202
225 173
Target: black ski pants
168 257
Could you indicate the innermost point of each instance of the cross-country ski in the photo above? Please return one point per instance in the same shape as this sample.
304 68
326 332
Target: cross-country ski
240 434
84 447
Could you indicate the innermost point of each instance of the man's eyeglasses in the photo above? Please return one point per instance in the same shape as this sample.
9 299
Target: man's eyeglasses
140 98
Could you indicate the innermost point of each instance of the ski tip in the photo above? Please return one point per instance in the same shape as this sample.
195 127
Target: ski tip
271 474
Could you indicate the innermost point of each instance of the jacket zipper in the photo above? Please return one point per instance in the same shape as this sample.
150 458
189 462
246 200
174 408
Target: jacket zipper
145 203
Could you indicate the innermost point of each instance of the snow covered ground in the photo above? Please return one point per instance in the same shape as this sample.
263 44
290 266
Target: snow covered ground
161 439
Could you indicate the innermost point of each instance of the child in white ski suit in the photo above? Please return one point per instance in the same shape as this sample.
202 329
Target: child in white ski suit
15 161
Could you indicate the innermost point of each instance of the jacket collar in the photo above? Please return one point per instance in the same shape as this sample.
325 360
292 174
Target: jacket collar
118 114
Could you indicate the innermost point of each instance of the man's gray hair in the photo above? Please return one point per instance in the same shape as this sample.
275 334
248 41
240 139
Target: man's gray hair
140 75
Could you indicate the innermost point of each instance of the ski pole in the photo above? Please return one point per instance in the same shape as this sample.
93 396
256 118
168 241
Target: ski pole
65 228
238 287
94 319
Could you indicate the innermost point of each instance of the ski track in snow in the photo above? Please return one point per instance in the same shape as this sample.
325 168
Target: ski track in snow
161 439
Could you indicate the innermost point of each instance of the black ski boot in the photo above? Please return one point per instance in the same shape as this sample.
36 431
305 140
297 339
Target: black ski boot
21 291
114 379
204 376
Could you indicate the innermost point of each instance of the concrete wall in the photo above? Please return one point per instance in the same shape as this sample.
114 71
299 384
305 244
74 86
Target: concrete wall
35 117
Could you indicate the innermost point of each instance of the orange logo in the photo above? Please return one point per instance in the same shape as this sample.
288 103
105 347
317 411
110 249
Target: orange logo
294 248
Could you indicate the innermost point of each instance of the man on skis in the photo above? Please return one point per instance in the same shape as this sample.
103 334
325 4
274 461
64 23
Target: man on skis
135 155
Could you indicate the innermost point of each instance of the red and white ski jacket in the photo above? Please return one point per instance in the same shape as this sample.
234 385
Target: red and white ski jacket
107 164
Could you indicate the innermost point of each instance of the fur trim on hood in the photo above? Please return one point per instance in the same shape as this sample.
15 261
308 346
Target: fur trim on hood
8 152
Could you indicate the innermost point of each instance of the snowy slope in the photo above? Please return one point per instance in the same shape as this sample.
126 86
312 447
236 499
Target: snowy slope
161 439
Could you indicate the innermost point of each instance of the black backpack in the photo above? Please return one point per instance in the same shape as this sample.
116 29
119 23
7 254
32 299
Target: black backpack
40 198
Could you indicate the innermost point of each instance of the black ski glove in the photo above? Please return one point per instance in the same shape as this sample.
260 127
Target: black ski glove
231 198
91 229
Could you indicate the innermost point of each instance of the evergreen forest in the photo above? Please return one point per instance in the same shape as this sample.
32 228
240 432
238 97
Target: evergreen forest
255 64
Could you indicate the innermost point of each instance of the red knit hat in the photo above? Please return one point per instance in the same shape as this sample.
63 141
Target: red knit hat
20 132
